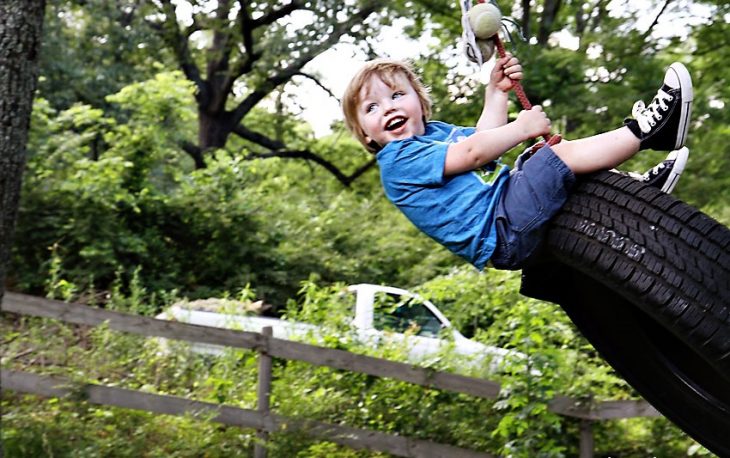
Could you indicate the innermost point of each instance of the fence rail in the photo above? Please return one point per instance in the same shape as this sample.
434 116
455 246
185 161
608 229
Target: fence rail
276 348
268 347
172 405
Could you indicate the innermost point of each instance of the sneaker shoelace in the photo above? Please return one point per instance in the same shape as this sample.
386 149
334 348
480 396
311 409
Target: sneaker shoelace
654 171
651 173
647 116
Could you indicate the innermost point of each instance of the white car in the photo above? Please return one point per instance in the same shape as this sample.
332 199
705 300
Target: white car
381 315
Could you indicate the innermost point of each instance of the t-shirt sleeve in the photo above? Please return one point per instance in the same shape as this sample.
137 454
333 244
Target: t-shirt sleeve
421 163
468 131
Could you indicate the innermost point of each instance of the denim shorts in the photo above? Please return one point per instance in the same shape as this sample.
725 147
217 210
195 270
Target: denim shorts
536 189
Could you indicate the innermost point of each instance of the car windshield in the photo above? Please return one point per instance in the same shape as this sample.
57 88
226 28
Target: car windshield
404 314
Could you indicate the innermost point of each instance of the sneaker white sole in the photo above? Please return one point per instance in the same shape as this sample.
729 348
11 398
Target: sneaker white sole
685 83
680 161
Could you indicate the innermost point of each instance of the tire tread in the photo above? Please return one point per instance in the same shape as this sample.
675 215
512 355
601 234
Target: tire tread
668 258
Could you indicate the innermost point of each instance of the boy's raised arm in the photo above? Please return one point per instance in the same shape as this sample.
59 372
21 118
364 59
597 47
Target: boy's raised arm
494 114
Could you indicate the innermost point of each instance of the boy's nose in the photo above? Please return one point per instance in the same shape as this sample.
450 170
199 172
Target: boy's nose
390 104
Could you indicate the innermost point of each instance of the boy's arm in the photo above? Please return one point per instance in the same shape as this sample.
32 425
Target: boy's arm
494 114
487 145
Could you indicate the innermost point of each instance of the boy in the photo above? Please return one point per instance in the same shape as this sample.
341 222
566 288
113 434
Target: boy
449 181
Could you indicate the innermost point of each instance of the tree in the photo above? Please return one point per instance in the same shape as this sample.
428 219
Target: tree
254 48
94 48
20 36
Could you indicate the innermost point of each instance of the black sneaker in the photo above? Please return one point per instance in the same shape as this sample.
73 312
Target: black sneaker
666 174
663 124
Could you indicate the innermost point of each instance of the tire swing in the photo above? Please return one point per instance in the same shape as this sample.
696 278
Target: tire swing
644 277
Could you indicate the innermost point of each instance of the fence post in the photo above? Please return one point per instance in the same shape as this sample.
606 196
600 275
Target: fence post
263 393
586 439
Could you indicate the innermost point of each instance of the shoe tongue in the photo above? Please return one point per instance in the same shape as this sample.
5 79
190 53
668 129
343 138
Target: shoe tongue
668 88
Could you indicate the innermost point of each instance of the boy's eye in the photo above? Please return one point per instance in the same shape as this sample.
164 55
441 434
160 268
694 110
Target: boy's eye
397 94
370 107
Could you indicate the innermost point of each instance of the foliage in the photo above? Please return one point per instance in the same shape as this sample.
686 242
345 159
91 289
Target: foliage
93 48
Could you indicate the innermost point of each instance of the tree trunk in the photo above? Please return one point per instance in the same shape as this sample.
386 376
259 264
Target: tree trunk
21 23
547 21
213 131
526 29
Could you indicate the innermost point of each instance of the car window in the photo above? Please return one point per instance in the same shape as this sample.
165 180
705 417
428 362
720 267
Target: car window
401 314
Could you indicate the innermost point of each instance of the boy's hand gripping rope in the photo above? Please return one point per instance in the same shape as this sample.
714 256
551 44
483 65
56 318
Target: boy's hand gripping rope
474 53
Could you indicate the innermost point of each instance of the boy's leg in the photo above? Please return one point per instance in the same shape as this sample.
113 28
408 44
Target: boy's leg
662 125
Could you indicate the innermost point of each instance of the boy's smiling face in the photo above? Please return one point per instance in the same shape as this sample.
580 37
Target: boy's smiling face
390 113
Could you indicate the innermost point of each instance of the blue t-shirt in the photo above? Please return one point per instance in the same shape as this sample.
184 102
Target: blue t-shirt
456 211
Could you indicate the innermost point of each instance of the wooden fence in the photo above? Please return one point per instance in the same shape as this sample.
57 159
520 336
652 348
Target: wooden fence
262 419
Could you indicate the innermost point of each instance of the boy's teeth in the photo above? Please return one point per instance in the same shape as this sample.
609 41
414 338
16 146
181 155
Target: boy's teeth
397 122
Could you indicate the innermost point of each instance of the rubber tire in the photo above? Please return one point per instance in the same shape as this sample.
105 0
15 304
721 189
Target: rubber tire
666 257
645 278
660 367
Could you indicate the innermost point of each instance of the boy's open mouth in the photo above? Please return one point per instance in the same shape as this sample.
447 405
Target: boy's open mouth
395 123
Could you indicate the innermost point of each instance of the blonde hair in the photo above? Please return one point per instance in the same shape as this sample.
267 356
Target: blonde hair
386 70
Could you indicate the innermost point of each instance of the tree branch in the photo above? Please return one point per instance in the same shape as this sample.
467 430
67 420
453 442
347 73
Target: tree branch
602 13
179 43
547 21
258 138
656 20
220 50
195 153
362 169
275 15
246 24
246 27
526 30
278 149
218 58
346 180
295 67
318 83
